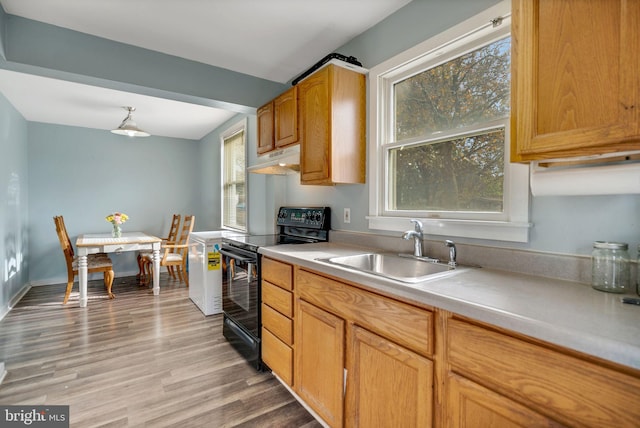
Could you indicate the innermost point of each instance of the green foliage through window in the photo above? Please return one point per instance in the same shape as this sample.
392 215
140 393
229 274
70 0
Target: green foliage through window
458 98
464 174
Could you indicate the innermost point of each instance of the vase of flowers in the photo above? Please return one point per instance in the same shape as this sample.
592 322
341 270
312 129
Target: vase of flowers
116 219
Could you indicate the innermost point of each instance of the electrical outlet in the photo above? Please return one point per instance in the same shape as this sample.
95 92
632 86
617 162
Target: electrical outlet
347 215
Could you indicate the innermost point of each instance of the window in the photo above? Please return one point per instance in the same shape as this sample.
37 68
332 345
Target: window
440 150
463 171
234 201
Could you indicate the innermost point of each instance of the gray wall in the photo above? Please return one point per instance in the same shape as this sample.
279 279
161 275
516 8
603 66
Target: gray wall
14 207
56 52
85 174
211 177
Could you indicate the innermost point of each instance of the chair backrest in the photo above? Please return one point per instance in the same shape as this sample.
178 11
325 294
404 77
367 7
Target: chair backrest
187 228
173 230
59 220
65 242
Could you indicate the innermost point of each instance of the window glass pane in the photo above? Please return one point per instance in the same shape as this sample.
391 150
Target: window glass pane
233 186
470 89
464 174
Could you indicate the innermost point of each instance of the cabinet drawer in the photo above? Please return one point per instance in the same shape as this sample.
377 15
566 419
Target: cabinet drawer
279 299
570 390
278 356
277 324
399 322
277 273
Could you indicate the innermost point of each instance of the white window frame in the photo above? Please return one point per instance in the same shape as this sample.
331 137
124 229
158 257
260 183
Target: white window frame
511 225
240 126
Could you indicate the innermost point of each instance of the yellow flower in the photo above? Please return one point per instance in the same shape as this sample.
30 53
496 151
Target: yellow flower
117 218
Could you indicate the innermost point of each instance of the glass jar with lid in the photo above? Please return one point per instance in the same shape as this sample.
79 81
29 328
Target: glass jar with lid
610 267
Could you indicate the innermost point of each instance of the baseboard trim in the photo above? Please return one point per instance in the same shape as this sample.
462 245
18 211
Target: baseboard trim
301 401
14 300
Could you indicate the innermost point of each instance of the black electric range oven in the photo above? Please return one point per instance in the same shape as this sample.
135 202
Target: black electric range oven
241 283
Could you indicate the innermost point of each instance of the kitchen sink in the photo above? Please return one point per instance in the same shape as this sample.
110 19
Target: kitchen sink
394 267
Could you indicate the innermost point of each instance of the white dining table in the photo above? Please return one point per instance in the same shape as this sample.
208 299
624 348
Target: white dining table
105 243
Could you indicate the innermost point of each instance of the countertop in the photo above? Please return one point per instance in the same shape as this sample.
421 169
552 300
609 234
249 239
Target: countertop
564 313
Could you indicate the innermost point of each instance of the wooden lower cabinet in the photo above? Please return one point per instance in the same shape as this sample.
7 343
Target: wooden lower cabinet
387 385
278 356
360 359
543 383
319 365
277 321
470 405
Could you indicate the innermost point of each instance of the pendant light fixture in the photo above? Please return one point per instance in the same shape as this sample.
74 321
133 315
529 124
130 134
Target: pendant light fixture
128 127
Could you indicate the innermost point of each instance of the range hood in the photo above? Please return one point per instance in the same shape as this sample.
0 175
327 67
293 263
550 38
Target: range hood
278 162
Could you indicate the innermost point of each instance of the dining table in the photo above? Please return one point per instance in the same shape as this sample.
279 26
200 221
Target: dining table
93 243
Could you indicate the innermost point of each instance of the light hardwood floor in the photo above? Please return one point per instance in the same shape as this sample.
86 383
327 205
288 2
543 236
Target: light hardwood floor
137 360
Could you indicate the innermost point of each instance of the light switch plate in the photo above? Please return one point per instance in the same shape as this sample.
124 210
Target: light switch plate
347 215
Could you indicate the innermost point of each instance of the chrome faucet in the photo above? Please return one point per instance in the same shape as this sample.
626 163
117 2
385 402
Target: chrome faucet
417 234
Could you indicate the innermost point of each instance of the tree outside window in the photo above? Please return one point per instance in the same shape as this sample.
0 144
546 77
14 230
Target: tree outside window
449 132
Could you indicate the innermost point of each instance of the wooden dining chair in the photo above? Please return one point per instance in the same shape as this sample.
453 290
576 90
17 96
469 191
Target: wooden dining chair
170 239
174 255
95 262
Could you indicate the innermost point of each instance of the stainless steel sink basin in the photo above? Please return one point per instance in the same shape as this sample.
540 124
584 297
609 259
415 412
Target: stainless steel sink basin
390 266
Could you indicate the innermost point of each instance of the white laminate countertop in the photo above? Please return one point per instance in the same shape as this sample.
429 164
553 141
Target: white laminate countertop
568 314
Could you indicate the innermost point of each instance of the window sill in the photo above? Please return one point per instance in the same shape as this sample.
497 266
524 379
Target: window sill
491 230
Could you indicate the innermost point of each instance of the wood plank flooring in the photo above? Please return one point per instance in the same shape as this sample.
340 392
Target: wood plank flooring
135 361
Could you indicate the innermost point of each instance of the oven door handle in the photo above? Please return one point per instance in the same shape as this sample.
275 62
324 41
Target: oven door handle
239 257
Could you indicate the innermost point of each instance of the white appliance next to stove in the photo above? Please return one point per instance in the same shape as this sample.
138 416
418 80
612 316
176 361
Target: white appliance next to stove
205 270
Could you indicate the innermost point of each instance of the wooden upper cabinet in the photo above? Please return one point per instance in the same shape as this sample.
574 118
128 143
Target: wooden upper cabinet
285 109
278 122
266 140
332 126
575 86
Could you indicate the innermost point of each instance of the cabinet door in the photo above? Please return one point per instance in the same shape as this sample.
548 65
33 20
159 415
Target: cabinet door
473 406
285 108
387 385
575 90
265 128
319 356
314 116
568 389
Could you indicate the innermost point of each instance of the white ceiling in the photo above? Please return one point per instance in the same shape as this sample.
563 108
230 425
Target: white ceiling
271 39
